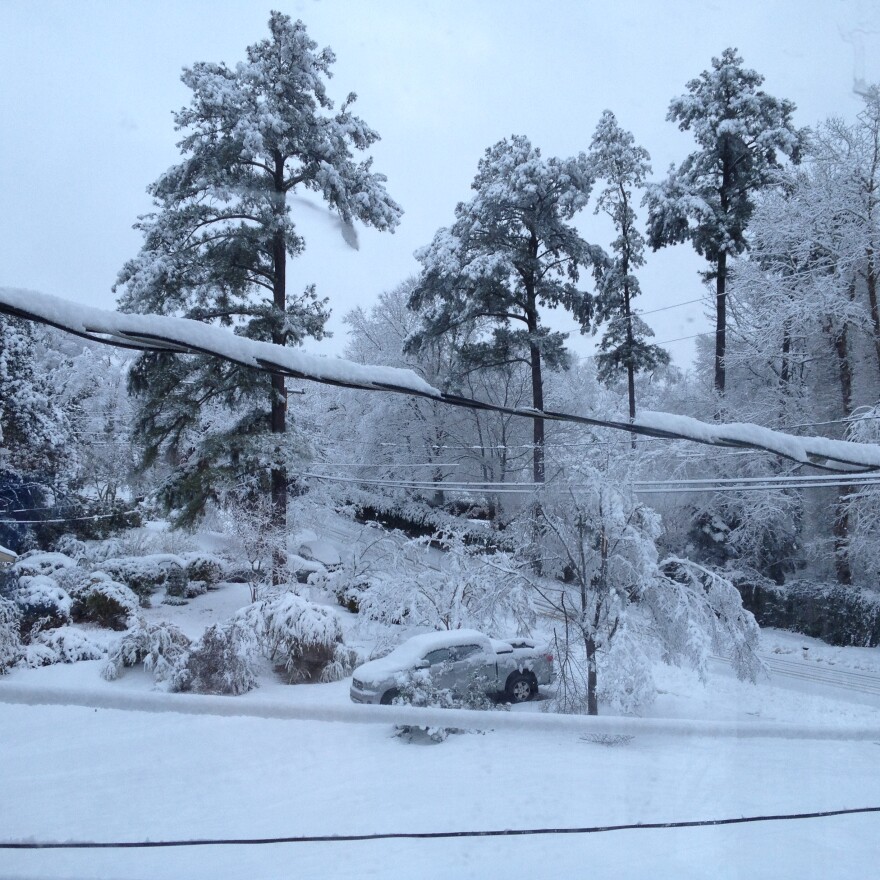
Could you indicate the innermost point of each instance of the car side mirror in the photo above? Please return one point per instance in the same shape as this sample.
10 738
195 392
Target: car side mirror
422 664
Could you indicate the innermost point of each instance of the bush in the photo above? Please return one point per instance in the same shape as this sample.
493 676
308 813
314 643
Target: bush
303 639
10 635
106 603
417 688
63 645
159 646
37 562
42 603
204 567
221 662
143 575
836 614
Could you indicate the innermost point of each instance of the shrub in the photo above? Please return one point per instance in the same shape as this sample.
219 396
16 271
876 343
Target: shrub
417 688
63 645
143 575
37 562
159 646
303 639
106 603
42 603
221 662
10 635
204 567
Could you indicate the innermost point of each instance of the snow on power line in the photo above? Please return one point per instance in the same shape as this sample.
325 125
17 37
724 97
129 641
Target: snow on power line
161 333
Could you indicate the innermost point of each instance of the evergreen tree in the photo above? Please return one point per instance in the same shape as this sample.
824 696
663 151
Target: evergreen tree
36 452
216 250
740 133
511 251
623 166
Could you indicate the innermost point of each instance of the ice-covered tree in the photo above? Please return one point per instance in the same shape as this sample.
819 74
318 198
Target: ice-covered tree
741 134
619 607
622 166
37 454
511 251
217 246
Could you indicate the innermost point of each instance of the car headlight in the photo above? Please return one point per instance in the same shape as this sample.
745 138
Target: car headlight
358 684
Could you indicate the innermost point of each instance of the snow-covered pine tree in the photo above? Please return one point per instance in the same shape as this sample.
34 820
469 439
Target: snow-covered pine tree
511 250
708 200
622 165
216 250
36 452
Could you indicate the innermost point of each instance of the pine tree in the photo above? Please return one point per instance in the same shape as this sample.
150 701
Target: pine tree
622 166
511 251
216 250
740 133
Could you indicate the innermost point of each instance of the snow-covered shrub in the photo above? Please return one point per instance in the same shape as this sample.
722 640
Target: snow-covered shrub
10 638
303 639
204 567
144 575
65 644
221 662
42 602
36 562
417 688
159 646
106 603
71 546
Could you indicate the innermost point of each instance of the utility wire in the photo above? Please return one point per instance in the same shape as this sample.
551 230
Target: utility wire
427 835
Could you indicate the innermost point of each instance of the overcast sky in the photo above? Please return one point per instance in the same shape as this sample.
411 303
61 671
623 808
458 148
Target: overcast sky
87 90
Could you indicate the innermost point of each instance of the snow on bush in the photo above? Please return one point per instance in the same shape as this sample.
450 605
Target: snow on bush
37 562
142 574
159 646
10 639
106 603
221 662
42 602
417 688
204 567
66 644
302 638
71 546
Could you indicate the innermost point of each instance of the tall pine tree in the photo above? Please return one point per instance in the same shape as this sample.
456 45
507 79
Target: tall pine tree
622 165
740 133
511 251
216 249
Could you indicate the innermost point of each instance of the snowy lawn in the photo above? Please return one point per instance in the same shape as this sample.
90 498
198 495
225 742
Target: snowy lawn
76 773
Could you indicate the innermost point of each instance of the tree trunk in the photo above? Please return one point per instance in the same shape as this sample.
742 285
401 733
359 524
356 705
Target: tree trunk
630 366
841 512
720 322
592 677
279 391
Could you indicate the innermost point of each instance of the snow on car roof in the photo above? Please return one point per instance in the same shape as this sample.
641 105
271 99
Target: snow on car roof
408 653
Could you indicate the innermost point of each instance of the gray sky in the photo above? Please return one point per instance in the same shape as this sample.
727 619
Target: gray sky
87 89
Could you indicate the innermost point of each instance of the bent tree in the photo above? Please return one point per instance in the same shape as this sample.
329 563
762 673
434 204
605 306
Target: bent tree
511 251
708 200
216 249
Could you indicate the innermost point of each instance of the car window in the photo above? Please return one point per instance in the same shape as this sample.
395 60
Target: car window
441 655
462 652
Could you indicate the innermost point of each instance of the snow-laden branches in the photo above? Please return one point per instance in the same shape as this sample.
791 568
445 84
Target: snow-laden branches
179 335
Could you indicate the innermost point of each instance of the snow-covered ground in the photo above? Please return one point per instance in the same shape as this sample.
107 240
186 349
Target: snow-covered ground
84 759
77 772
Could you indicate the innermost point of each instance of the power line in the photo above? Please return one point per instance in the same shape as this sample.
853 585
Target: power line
428 835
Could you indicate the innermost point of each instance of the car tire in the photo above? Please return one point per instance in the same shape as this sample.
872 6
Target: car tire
521 687
389 696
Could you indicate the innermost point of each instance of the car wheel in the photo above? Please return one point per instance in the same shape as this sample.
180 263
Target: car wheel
389 696
520 687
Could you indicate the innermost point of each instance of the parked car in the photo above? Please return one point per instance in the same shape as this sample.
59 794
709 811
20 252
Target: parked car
512 668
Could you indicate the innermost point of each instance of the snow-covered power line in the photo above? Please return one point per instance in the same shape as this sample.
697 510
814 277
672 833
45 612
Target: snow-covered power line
184 336
669 487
